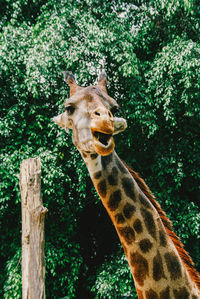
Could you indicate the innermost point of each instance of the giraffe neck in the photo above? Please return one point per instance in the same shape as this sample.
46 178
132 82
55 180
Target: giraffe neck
156 267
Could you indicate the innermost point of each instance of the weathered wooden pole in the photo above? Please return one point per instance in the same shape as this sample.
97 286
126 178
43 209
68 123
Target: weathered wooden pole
33 214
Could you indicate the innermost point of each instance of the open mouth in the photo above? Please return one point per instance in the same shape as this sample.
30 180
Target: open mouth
102 137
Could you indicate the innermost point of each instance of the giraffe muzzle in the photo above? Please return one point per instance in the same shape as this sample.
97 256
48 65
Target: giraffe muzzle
103 126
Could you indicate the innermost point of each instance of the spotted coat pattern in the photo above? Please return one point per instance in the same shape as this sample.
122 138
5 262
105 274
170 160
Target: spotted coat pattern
155 264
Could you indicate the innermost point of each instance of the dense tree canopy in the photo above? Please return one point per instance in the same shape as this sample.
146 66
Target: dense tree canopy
151 53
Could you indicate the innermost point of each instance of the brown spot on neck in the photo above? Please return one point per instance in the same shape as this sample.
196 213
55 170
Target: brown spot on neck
162 236
140 266
128 187
127 233
150 294
165 294
101 188
137 225
114 200
149 222
113 177
119 218
181 293
106 160
97 175
173 265
129 210
158 271
145 245
93 156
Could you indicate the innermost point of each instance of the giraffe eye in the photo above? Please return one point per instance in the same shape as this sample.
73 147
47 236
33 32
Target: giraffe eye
70 110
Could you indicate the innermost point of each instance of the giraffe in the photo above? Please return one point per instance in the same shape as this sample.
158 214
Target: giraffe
160 266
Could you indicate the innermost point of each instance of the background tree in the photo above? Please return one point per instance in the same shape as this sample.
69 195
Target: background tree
150 51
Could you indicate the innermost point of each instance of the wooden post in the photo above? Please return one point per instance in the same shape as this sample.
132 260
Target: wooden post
33 214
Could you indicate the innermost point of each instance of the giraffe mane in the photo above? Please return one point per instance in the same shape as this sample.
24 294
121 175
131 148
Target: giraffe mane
186 259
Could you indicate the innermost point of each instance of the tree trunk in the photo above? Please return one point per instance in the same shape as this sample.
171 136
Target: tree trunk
33 214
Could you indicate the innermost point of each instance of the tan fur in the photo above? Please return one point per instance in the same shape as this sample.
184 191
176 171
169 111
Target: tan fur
168 227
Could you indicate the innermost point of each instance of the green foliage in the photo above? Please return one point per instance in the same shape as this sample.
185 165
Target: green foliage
63 264
114 279
150 51
13 285
174 75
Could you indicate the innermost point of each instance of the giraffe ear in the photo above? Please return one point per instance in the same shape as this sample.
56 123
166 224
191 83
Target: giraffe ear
70 80
61 120
102 82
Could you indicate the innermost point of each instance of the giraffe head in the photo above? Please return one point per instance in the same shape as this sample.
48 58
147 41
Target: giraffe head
89 113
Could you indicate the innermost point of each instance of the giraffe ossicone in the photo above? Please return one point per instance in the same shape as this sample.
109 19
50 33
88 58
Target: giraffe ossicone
160 266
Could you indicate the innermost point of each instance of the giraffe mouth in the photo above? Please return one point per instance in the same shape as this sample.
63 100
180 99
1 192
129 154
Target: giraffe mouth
103 141
102 138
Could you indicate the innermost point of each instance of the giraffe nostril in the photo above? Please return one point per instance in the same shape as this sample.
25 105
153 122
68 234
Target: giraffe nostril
103 113
109 113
